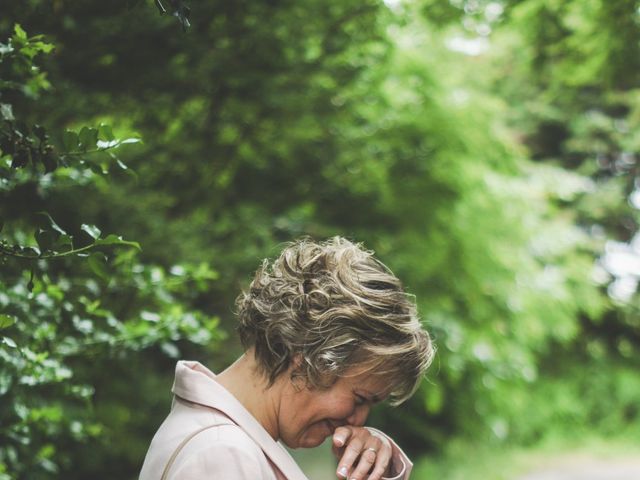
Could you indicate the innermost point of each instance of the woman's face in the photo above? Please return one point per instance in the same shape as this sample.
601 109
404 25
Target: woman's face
307 417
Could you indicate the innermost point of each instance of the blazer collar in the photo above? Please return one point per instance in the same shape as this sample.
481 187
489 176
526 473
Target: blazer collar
196 383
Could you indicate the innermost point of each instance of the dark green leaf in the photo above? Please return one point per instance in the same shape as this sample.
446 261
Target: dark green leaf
97 262
50 161
105 133
63 243
88 137
6 144
96 168
30 285
70 140
45 238
116 240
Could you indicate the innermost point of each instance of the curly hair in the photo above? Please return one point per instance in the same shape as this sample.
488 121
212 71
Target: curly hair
333 306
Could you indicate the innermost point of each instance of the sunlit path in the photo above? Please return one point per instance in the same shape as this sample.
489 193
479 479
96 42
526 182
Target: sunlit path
587 468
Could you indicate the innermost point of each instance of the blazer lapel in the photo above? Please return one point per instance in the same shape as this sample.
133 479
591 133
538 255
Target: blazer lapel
196 383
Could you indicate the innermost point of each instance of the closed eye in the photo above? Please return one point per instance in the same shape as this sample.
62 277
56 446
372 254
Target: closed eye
361 400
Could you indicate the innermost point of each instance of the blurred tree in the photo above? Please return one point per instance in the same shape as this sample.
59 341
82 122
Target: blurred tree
68 300
568 70
269 120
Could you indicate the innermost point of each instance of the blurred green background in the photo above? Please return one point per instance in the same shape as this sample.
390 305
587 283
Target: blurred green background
486 150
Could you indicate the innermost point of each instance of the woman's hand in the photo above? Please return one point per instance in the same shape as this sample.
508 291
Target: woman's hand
363 455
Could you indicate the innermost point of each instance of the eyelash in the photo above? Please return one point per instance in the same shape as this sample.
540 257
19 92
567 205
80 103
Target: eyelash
360 400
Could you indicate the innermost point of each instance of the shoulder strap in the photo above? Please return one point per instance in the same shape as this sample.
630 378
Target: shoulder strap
165 473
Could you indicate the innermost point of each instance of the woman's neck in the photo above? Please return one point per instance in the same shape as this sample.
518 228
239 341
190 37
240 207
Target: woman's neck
245 382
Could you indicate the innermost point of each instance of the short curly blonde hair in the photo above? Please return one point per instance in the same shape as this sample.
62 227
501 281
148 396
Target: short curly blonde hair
334 306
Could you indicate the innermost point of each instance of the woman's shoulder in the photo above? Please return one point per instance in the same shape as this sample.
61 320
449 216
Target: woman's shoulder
224 437
224 450
196 437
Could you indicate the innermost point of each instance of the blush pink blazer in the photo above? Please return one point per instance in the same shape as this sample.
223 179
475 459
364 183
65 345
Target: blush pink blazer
210 435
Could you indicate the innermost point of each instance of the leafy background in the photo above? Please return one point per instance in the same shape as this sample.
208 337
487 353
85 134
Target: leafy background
486 150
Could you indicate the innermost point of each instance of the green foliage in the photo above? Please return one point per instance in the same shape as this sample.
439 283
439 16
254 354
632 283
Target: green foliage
68 300
568 75
490 184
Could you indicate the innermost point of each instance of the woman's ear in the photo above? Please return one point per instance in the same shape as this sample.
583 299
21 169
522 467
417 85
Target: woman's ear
298 379
297 361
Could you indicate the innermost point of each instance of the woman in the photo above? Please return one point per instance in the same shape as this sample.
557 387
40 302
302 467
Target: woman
328 332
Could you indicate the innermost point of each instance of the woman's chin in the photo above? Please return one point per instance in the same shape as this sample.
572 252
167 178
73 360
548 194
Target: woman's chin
311 442
314 436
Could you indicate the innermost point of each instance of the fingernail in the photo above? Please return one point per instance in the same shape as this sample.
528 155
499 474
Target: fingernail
343 472
339 441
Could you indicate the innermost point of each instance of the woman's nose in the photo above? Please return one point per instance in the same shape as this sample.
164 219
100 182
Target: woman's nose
359 415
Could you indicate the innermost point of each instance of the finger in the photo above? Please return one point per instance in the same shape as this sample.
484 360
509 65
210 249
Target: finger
383 459
337 451
365 464
341 436
350 455
368 458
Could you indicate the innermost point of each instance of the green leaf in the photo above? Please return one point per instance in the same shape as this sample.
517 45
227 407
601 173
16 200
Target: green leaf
50 161
19 32
97 262
6 321
116 240
93 231
42 46
6 111
105 132
96 168
45 222
88 137
45 238
70 140
47 232
64 242
8 341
